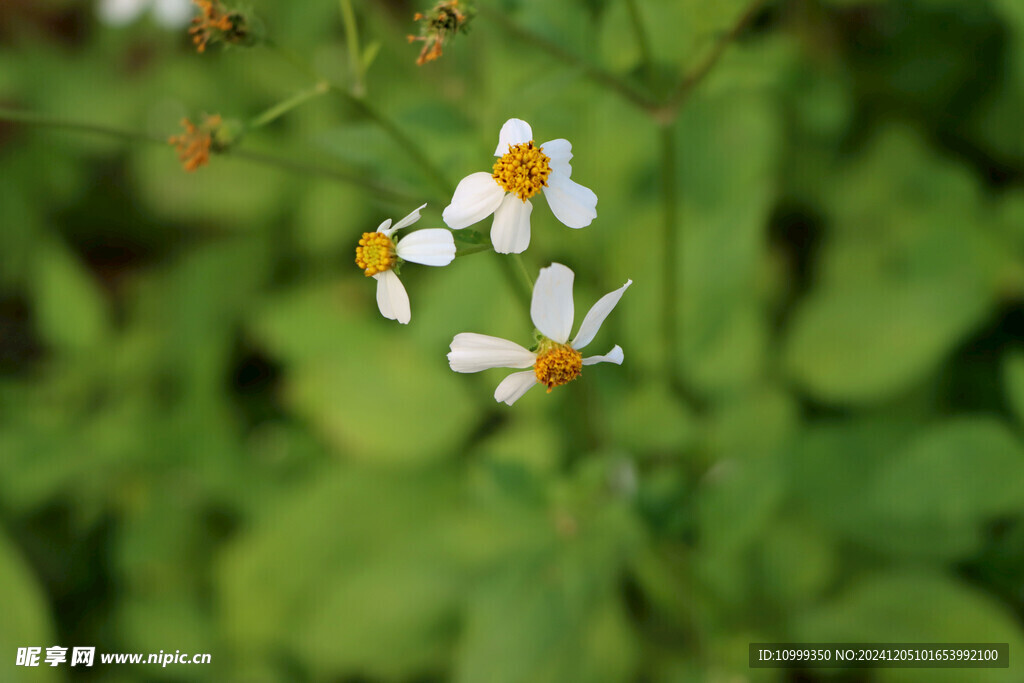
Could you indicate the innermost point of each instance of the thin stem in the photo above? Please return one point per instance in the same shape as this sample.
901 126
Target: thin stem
352 177
670 241
524 272
591 71
517 275
466 251
640 33
694 77
355 56
344 175
432 172
36 119
285 106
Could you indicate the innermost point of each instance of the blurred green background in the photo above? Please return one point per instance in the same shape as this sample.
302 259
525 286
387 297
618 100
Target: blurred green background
211 441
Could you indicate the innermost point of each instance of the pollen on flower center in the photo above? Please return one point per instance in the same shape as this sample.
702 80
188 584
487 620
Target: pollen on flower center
375 253
524 170
557 364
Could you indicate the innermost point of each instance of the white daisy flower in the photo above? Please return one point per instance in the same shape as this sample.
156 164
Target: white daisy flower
555 361
522 171
168 13
378 254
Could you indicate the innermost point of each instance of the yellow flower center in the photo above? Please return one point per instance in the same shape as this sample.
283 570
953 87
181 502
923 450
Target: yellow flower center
375 253
557 364
523 170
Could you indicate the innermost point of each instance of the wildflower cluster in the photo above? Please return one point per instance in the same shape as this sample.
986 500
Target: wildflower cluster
523 169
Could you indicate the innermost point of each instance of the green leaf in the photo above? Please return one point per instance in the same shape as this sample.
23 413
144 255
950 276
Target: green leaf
70 308
381 573
26 621
727 148
652 419
932 497
914 607
862 344
552 615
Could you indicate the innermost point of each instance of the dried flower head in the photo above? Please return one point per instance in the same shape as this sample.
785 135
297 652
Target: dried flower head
198 141
215 23
439 25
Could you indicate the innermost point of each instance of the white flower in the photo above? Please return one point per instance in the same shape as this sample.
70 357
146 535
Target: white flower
168 13
522 171
556 361
378 254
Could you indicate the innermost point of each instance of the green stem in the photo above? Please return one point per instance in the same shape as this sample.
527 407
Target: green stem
35 119
432 172
624 89
400 138
355 57
636 20
351 177
466 251
670 241
517 275
694 77
344 175
282 108
524 272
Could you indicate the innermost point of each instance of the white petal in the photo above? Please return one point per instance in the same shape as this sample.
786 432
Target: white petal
560 152
173 13
431 247
119 12
476 198
514 132
514 386
510 232
573 204
613 356
392 299
596 315
475 352
551 308
383 227
408 220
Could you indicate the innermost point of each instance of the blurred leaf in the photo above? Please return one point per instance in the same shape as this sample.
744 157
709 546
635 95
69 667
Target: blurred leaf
552 615
737 500
903 607
651 419
385 562
963 472
70 307
726 148
26 621
867 343
910 269
795 563
358 384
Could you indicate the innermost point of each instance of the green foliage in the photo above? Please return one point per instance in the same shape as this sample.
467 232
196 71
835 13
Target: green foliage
211 441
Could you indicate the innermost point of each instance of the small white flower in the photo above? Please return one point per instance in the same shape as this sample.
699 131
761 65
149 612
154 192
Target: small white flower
522 171
168 13
556 360
378 254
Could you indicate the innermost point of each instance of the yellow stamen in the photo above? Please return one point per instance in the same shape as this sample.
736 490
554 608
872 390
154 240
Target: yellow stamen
524 170
557 364
375 253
